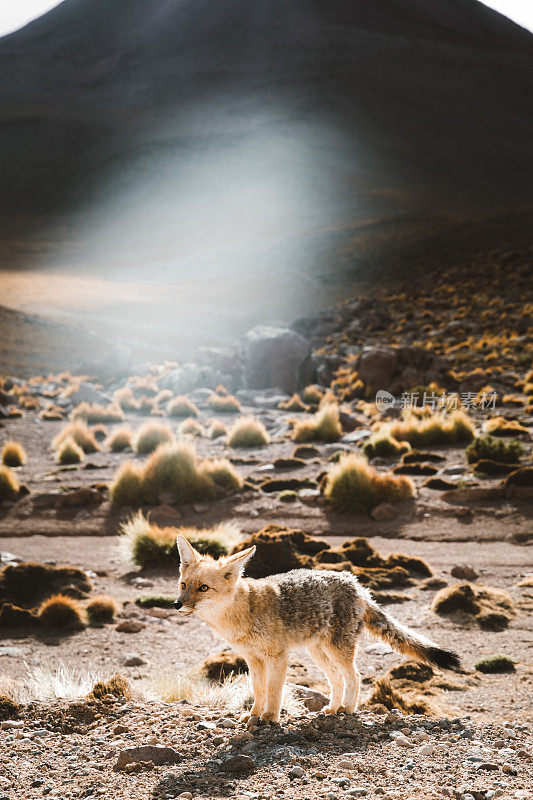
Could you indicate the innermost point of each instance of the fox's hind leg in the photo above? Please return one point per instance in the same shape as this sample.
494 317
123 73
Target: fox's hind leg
343 657
322 659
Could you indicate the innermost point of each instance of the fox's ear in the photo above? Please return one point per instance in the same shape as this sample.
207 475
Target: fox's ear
235 565
188 554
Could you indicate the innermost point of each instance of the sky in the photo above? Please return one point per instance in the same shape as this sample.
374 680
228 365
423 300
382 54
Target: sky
14 15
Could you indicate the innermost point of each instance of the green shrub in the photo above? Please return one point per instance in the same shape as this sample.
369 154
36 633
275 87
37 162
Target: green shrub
486 447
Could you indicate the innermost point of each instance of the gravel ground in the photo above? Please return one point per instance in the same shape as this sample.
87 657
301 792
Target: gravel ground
71 749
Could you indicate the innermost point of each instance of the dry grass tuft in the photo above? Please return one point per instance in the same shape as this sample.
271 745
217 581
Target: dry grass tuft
181 406
125 398
312 394
148 545
125 490
491 608
68 452
324 426
80 433
13 454
191 427
353 485
94 412
101 609
217 429
61 612
150 436
174 470
499 426
381 444
433 430
248 432
294 403
224 403
118 686
120 440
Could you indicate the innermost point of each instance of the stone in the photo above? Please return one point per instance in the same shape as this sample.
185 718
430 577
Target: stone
135 755
275 358
382 512
87 393
296 772
238 764
116 361
464 572
130 626
311 699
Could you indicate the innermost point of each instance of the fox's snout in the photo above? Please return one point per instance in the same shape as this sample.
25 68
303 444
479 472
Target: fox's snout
178 604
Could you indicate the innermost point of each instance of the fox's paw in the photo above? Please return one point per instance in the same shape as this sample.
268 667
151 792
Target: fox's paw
334 710
269 718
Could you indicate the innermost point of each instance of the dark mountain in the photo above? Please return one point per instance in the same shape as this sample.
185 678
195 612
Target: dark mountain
273 129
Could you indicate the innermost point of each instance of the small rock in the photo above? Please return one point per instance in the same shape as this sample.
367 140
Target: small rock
296 772
238 764
383 511
464 572
425 750
158 755
133 660
488 766
129 626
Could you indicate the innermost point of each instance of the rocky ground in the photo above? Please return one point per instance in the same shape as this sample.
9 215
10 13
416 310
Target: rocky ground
464 334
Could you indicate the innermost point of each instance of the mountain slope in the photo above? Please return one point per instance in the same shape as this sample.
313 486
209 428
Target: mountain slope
318 114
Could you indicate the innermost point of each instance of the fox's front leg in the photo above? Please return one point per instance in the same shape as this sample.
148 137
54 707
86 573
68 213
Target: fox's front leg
258 674
276 669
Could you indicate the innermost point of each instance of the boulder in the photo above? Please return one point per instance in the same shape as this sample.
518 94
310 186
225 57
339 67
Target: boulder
116 361
398 369
275 358
87 393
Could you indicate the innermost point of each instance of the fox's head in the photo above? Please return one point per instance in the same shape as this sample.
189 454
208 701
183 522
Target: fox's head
206 584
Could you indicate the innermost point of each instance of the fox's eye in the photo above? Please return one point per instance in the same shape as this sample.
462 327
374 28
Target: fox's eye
183 585
203 588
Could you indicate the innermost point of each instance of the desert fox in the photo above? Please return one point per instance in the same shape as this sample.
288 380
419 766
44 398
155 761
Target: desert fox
263 619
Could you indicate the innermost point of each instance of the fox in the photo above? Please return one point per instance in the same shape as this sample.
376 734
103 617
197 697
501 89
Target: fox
263 619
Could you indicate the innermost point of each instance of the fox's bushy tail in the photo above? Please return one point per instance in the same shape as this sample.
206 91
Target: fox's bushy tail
405 640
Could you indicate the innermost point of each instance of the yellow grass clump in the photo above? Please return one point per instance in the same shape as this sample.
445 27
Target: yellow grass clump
94 412
80 433
181 406
324 426
61 612
125 489
217 429
174 470
68 452
150 436
499 426
125 398
433 430
294 403
9 485
191 427
13 454
224 403
353 485
381 444
120 440
145 544
101 609
248 432
312 394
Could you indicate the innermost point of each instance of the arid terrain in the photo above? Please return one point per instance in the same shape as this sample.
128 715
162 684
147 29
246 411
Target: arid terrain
428 504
